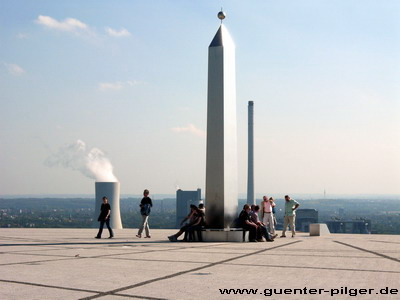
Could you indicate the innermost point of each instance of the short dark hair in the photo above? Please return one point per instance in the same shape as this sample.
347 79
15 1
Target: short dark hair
105 198
256 208
193 206
201 205
246 206
146 192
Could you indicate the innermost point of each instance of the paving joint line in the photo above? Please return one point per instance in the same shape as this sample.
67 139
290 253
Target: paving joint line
116 291
49 286
97 256
369 251
75 289
316 268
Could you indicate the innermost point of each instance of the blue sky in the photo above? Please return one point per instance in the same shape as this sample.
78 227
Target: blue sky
130 78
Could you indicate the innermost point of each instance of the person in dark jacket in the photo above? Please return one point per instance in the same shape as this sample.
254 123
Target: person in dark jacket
247 224
104 217
145 207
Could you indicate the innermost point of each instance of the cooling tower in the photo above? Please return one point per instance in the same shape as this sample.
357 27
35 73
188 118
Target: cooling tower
111 191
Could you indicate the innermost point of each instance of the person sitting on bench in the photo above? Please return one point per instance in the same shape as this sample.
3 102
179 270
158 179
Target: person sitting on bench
191 217
247 224
197 226
262 229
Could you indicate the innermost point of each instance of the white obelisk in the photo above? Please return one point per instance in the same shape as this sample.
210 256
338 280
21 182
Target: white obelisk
221 161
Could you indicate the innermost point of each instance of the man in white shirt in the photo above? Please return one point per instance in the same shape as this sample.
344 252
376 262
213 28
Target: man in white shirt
267 215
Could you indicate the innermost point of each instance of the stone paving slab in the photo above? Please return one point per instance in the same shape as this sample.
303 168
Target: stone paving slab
15 292
71 264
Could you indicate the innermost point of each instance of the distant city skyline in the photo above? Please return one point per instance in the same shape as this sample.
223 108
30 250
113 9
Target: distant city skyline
126 82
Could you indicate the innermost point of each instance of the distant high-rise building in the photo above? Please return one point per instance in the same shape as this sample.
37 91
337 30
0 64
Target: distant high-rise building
183 201
305 217
341 213
353 226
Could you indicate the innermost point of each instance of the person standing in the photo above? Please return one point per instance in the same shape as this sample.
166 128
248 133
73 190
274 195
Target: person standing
290 215
273 211
145 208
267 215
104 217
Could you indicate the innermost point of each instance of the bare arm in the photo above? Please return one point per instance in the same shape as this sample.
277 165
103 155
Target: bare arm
250 223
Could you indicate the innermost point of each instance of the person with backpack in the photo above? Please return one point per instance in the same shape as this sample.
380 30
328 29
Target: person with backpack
145 207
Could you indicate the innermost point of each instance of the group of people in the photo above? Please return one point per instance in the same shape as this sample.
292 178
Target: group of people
259 230
145 208
249 221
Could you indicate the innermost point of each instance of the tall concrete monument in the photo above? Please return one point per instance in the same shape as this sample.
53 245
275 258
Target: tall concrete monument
250 155
221 161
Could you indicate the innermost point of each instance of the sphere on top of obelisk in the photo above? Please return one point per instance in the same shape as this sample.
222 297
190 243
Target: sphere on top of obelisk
221 15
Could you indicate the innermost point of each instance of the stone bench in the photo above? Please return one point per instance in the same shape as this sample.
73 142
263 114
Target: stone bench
319 229
223 235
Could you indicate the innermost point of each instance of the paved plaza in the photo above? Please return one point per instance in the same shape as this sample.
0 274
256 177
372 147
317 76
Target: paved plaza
71 264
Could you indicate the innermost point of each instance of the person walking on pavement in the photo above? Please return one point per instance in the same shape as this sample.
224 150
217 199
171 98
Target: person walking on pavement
104 217
145 207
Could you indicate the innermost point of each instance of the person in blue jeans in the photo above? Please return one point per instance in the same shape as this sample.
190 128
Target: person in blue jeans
104 217
191 218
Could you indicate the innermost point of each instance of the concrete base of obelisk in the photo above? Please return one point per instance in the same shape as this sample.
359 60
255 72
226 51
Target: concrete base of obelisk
225 235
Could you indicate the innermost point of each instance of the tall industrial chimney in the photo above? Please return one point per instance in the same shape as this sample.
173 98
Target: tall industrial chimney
250 155
111 191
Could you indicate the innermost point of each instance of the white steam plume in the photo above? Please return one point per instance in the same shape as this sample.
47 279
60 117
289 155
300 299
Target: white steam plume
91 163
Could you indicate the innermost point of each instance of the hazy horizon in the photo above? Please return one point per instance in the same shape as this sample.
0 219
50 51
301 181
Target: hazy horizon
241 196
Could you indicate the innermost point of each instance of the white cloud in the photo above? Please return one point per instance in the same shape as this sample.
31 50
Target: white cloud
191 129
115 33
69 24
134 82
14 69
118 85
77 27
22 36
103 86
